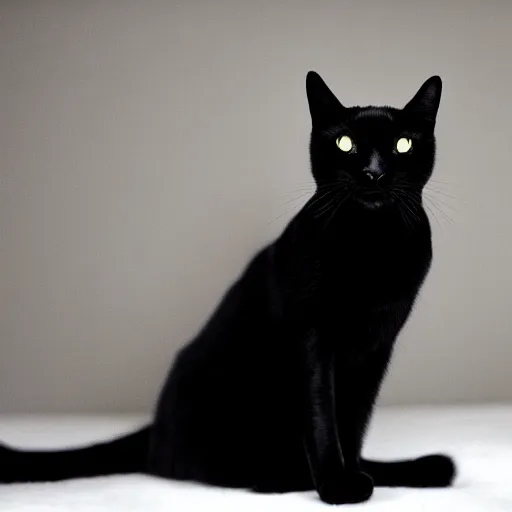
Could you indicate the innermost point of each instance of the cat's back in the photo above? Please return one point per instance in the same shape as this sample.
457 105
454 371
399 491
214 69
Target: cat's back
238 353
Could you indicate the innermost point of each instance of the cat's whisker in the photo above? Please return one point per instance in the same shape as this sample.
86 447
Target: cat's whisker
295 199
434 216
433 180
331 208
433 197
444 214
336 208
321 197
408 206
442 192
443 201
309 187
407 215
290 205
326 207
409 202
430 195
399 203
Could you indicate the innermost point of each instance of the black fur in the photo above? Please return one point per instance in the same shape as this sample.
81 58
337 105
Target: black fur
276 391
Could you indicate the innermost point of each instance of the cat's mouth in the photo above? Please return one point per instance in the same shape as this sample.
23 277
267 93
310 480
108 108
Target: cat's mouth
373 198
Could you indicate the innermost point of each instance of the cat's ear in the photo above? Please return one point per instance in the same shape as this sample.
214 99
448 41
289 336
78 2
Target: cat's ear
324 107
426 101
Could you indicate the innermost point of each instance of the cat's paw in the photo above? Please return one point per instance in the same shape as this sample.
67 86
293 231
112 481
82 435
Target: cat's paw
435 471
353 488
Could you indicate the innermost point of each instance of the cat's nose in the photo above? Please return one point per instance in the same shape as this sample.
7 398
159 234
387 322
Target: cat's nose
374 174
374 170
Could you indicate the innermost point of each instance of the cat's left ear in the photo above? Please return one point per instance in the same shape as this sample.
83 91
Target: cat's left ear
325 108
426 101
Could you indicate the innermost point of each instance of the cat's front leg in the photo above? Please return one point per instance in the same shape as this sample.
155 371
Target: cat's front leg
357 384
335 483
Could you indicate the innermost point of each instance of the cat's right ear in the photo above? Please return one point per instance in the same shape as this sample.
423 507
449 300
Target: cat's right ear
426 101
325 108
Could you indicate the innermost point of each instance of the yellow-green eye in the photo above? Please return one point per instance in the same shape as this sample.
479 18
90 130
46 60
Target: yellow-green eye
403 145
345 143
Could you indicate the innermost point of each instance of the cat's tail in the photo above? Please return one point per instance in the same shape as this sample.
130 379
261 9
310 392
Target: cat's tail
428 471
126 454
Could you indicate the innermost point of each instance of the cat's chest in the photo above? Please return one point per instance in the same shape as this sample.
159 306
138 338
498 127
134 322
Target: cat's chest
374 267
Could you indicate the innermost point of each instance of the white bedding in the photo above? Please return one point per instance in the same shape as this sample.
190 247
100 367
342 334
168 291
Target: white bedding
479 437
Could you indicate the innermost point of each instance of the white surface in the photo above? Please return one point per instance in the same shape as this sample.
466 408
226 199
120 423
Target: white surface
148 147
479 437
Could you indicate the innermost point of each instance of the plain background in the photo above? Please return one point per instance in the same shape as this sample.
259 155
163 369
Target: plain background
149 148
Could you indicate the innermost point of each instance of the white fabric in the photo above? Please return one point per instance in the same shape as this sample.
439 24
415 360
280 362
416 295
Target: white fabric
479 437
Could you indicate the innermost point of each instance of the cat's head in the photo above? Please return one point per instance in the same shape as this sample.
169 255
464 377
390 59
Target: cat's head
375 155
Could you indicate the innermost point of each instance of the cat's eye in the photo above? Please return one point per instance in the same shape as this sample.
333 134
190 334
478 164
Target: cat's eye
403 145
345 143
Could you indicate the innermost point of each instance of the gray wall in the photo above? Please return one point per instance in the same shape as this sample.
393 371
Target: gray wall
149 148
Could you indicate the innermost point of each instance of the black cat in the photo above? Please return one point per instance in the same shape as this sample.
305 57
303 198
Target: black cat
276 392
